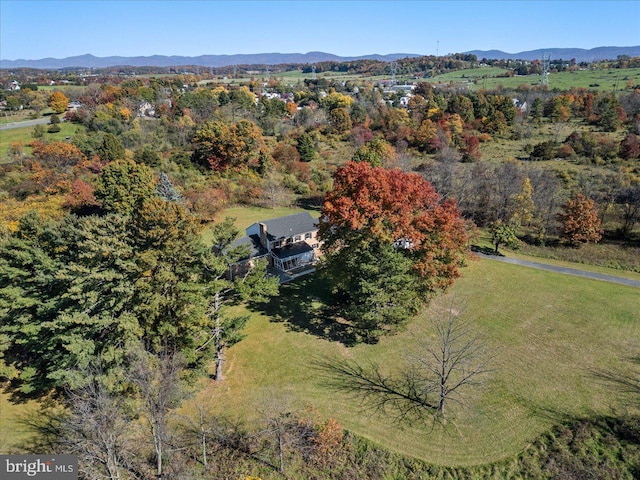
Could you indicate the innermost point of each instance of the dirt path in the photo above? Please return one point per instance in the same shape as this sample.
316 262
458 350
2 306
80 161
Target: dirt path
565 270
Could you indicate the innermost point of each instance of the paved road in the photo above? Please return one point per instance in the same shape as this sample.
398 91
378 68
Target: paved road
26 123
568 271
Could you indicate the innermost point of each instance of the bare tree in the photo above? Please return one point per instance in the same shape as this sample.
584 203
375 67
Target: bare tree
437 371
96 430
285 431
216 442
158 381
457 359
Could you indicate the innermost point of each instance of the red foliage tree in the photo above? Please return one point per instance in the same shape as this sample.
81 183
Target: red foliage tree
629 147
393 207
81 197
471 148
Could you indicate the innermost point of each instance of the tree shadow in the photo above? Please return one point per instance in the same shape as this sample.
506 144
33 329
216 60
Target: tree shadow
626 382
485 250
307 305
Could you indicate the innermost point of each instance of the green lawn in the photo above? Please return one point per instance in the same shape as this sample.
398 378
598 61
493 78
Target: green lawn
550 334
13 428
602 80
23 134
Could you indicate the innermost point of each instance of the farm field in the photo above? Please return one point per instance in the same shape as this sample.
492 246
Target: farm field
486 78
599 80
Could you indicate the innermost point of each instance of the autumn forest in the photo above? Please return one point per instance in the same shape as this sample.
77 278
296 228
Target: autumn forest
123 195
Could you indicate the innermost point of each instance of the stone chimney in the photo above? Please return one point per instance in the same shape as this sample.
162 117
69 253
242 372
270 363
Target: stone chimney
263 235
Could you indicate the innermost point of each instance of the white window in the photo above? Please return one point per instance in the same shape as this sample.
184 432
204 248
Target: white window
307 236
297 238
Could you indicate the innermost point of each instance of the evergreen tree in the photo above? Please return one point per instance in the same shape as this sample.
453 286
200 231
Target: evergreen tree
93 287
122 184
166 190
306 147
111 148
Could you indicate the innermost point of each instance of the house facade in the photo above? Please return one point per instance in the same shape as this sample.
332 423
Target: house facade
289 243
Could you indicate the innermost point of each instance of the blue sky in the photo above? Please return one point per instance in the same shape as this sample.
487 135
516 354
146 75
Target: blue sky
31 29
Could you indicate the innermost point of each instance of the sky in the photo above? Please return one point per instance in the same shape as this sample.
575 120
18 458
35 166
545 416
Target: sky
35 29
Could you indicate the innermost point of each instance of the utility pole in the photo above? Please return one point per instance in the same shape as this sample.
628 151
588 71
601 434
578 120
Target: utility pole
545 69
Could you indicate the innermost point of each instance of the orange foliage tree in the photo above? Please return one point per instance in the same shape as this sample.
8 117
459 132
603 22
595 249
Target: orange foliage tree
580 221
57 155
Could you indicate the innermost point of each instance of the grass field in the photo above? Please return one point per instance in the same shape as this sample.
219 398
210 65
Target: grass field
602 80
489 78
13 428
551 335
10 117
23 134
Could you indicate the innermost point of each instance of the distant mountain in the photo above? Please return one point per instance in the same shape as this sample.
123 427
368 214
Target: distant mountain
90 61
580 54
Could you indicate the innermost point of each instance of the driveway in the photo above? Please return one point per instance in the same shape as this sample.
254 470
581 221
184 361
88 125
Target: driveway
27 123
565 270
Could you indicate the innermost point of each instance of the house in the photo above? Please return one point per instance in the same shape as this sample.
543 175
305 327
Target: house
146 109
520 106
289 243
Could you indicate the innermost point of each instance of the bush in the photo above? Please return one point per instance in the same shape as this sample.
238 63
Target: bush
544 151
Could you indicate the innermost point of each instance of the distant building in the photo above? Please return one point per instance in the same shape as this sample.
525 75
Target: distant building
146 109
520 106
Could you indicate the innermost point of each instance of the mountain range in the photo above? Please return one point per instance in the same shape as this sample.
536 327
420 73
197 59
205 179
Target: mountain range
90 61
580 54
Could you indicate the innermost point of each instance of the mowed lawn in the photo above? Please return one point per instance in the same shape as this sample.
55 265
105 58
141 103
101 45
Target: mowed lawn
552 336
23 134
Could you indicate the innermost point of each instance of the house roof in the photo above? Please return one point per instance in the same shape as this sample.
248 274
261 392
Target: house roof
290 225
292 250
253 242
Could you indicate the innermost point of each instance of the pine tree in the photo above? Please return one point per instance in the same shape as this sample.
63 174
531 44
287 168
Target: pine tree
166 190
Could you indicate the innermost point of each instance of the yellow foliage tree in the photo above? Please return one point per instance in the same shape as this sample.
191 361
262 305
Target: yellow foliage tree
47 206
58 102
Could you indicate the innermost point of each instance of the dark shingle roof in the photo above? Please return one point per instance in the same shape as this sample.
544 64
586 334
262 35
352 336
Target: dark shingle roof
253 242
290 225
292 250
